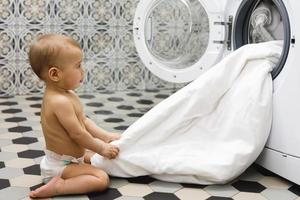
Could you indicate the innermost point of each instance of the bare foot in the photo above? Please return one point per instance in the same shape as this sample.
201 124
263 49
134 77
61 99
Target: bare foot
48 190
112 136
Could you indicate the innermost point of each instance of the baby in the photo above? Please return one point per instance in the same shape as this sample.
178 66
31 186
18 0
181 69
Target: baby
56 59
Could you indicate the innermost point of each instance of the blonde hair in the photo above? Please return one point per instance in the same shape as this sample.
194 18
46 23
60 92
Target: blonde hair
45 50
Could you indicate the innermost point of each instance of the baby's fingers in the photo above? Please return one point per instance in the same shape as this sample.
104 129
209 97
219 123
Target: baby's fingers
114 152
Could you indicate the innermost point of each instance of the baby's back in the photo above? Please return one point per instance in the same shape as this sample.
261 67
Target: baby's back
56 137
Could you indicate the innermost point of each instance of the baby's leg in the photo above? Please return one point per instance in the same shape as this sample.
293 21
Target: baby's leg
47 190
76 179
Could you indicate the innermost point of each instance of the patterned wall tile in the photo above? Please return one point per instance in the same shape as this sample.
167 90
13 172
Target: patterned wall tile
8 43
101 12
101 42
7 78
25 36
76 32
131 74
100 74
7 12
26 80
126 12
33 12
102 27
68 12
125 45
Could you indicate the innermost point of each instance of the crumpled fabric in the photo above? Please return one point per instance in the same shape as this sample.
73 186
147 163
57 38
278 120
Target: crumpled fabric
208 132
266 24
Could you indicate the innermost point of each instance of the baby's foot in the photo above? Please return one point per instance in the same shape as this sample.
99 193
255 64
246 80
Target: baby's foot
48 190
112 136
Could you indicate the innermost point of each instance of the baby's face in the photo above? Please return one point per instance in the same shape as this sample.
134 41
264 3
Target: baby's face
71 69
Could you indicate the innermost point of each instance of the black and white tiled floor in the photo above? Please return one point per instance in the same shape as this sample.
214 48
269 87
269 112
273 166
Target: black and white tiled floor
21 145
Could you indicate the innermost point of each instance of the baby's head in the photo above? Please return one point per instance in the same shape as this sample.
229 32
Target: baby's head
52 50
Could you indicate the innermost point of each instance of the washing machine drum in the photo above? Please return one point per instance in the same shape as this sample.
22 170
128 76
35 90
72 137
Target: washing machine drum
178 40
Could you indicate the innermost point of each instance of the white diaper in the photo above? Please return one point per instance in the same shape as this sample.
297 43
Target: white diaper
54 164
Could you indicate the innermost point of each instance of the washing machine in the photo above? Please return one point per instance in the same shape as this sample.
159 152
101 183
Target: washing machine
178 40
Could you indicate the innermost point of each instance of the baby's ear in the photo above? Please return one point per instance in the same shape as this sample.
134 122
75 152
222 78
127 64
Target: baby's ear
54 74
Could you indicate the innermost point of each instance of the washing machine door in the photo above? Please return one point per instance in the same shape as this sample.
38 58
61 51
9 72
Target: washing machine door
178 40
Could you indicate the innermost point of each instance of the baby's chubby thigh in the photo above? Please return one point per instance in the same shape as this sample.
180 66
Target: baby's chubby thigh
93 176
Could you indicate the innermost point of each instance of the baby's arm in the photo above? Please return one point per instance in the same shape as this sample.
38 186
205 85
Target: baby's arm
66 115
100 133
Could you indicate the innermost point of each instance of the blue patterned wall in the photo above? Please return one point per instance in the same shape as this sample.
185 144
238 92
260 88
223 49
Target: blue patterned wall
103 28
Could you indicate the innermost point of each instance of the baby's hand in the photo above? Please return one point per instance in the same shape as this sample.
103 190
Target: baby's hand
110 151
112 136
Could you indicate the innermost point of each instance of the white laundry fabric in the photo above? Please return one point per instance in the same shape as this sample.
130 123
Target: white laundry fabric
260 18
208 132
266 23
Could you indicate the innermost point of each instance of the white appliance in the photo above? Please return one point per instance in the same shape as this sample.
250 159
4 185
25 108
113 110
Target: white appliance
178 40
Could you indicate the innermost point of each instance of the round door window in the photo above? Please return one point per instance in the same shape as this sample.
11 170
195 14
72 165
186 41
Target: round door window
178 40
177 32
261 21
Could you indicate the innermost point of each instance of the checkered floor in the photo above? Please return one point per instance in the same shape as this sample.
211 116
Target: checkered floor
21 143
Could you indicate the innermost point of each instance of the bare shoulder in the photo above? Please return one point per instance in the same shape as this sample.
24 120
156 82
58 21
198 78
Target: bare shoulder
57 101
73 95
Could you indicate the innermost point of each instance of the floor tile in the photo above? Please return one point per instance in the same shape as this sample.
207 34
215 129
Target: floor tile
5 142
161 195
295 189
22 148
19 163
14 193
129 198
9 172
248 186
4 156
14 148
4 183
20 129
10 136
117 182
108 194
191 193
141 179
8 124
248 196
251 175
5 115
31 153
160 186
221 190
24 140
275 182
2 165
278 194
77 197
37 145
16 119
219 198
133 189
26 180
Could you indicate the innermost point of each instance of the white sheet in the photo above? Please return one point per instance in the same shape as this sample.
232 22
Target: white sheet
209 131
